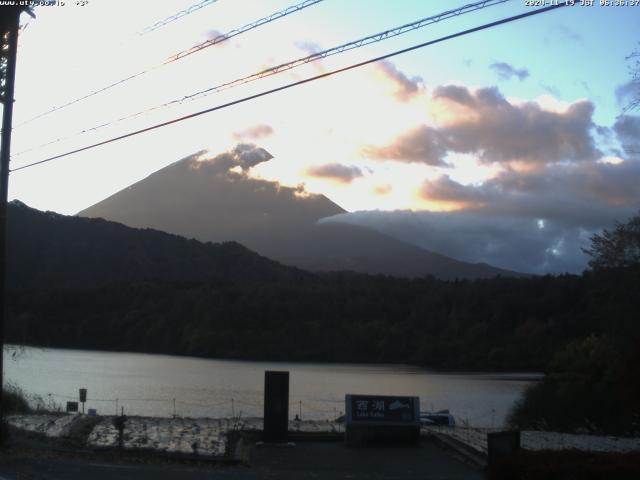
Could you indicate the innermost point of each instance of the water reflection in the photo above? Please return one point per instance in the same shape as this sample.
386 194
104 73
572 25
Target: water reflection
148 384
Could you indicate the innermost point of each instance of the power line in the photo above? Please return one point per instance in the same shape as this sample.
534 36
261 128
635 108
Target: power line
177 56
245 28
299 82
176 16
377 37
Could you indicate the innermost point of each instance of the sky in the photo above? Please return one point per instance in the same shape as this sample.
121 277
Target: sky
507 146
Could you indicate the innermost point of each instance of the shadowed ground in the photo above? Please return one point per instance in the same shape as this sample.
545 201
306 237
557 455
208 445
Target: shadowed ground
317 460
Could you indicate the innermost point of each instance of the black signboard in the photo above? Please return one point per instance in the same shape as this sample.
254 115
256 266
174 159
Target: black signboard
382 409
72 406
83 395
276 406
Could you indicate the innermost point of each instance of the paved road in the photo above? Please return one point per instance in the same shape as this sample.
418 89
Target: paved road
305 460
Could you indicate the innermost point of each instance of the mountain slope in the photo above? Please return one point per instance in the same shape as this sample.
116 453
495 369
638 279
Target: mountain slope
52 250
215 200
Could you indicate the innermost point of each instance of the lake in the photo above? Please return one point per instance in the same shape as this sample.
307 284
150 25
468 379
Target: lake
164 385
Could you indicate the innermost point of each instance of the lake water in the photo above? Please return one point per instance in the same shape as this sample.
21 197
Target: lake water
163 385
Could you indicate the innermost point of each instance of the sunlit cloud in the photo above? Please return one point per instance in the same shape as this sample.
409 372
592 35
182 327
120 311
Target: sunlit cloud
421 145
404 88
254 133
335 172
382 189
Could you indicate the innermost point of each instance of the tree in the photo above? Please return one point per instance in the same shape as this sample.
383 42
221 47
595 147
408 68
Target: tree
616 248
584 389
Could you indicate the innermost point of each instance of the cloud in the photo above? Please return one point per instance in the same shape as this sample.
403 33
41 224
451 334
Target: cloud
552 90
529 221
248 155
219 37
530 245
485 124
421 145
445 190
406 88
382 189
557 192
254 133
335 171
506 71
627 91
563 34
243 155
311 48
627 128
456 93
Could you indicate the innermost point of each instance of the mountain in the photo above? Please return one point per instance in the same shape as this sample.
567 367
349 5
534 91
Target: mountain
48 250
214 199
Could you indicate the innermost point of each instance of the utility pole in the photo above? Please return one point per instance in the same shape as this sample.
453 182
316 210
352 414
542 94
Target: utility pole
9 26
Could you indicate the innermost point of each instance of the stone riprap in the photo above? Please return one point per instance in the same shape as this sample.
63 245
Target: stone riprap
201 436
49 425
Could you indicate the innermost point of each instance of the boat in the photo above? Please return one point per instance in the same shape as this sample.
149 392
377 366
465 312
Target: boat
439 418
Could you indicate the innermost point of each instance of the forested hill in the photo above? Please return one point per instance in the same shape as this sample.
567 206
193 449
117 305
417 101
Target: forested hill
48 250
84 283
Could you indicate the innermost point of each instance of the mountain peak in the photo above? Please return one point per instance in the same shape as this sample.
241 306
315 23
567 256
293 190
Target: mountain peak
213 198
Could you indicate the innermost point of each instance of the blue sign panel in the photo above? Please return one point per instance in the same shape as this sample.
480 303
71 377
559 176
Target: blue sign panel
382 409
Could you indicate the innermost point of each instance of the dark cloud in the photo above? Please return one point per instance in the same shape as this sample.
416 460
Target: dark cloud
254 133
443 189
502 131
533 222
407 87
585 195
422 145
335 171
456 93
520 244
497 130
627 128
506 71
627 91
243 155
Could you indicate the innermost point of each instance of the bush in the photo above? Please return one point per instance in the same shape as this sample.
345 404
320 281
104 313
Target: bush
14 401
586 389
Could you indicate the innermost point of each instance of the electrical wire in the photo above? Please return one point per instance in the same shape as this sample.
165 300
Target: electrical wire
377 37
177 56
176 16
245 28
299 82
